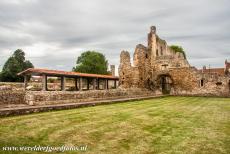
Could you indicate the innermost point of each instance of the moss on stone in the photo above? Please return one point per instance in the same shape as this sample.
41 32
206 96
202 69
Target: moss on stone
178 49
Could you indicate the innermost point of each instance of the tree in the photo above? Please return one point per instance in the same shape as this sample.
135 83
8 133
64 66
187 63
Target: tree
91 62
178 49
15 64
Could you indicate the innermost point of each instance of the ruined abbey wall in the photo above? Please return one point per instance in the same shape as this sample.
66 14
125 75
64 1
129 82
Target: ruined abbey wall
157 67
64 97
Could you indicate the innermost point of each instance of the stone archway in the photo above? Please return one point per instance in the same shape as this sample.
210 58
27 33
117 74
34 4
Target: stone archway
165 83
229 85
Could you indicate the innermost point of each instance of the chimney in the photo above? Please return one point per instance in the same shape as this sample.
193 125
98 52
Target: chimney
112 68
204 67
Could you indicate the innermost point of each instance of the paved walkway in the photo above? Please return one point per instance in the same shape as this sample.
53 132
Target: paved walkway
26 109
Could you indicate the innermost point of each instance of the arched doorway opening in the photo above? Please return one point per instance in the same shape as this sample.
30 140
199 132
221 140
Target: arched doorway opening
229 85
165 83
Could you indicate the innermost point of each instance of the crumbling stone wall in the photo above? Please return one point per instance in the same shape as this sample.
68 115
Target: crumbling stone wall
61 97
147 61
11 93
184 79
12 97
11 85
158 63
126 71
142 64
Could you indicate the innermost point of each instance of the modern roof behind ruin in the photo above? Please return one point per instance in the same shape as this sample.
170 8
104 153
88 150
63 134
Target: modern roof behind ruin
39 72
219 71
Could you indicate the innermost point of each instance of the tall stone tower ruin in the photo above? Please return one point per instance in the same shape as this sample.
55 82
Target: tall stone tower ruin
148 61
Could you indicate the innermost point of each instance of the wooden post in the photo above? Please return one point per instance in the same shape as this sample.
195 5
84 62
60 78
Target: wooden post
62 83
98 84
106 84
44 82
76 86
25 81
115 84
80 83
87 83
94 83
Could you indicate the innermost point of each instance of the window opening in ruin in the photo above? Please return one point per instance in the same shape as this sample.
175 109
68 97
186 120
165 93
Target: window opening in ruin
165 82
157 52
202 82
219 83
161 51
178 65
164 67
123 73
146 56
229 85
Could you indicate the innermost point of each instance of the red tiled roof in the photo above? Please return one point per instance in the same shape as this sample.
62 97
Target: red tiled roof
38 71
219 71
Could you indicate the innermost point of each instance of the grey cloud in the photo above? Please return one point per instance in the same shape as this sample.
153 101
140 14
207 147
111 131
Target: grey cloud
53 33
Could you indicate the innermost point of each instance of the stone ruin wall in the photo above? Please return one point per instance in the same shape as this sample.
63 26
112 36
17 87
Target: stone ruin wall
62 97
14 93
11 93
142 63
187 81
147 67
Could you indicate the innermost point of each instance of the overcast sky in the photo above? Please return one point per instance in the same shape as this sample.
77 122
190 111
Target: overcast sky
53 33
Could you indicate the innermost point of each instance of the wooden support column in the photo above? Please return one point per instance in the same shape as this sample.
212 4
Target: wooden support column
106 84
87 83
25 81
115 84
80 83
44 82
62 83
94 83
76 86
98 84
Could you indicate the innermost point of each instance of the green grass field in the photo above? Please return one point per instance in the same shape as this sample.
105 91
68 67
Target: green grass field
161 125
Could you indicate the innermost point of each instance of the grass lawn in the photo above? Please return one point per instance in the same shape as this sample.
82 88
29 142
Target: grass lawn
161 125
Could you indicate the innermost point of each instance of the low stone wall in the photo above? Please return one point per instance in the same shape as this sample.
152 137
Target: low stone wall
62 97
187 83
12 97
12 93
11 86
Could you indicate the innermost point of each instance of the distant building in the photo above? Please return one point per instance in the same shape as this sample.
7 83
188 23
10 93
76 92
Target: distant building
227 68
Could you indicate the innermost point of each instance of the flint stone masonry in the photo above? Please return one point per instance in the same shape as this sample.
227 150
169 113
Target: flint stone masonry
160 69
11 86
186 81
11 93
63 97
12 97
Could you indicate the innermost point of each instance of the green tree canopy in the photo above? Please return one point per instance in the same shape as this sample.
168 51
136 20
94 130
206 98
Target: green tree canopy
91 62
178 49
15 64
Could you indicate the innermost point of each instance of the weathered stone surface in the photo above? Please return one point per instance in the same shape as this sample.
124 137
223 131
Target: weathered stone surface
11 93
12 97
11 86
157 67
62 97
